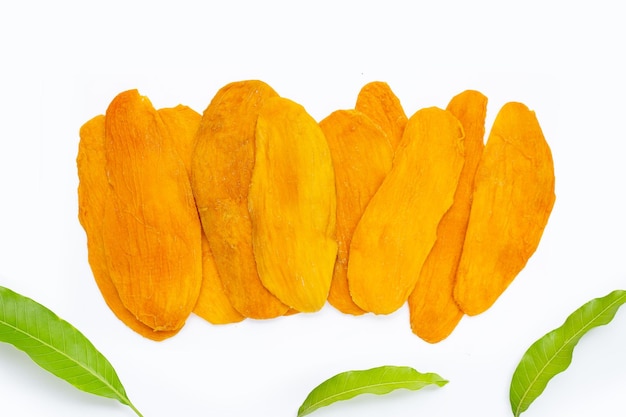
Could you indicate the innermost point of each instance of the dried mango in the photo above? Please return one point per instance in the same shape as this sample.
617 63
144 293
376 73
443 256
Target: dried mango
513 198
377 100
292 205
221 169
92 190
182 123
151 229
212 304
433 310
256 210
399 226
362 156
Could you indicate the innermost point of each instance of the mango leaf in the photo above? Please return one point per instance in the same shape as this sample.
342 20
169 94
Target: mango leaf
57 346
552 354
381 380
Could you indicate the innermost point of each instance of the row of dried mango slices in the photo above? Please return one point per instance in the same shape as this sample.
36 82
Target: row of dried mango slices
256 210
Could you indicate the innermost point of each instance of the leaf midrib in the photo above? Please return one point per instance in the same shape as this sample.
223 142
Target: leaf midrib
350 391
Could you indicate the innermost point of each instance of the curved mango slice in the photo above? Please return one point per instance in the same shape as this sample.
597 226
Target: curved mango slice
221 169
433 310
151 230
513 198
92 189
362 156
399 226
292 205
212 304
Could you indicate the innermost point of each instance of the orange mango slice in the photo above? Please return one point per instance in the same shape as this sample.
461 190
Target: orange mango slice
433 310
362 157
221 171
512 200
399 225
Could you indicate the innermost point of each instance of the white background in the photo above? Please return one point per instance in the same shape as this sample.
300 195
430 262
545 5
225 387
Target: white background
61 63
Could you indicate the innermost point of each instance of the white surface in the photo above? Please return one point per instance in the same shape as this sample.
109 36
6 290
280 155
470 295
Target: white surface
62 63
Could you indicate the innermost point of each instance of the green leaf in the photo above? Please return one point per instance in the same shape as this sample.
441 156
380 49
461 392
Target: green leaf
57 347
381 380
552 354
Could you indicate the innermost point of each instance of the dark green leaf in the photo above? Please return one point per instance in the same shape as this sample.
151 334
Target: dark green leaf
57 347
552 354
379 381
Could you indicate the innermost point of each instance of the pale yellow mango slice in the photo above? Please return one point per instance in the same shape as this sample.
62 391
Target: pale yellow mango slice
292 205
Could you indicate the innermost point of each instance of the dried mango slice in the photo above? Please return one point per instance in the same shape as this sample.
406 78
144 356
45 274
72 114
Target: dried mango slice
212 304
362 157
291 312
513 198
432 308
151 229
92 190
182 123
221 169
377 100
292 205
399 226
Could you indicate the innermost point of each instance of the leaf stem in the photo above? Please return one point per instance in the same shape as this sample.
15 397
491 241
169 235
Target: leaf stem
132 407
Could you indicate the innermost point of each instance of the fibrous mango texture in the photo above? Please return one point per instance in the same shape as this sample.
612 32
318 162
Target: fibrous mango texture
292 205
182 124
151 229
139 214
362 155
212 304
255 210
379 103
399 225
512 200
92 191
221 171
